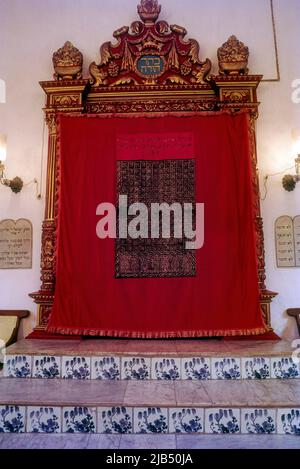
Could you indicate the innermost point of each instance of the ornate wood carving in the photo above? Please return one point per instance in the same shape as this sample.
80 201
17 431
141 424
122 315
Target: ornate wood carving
233 57
150 52
67 63
151 68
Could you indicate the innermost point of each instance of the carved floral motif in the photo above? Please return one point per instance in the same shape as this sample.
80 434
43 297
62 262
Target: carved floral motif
233 57
67 62
149 10
150 52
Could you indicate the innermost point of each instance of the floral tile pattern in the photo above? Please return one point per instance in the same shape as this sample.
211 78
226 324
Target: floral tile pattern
136 368
12 419
167 369
43 419
106 368
150 420
18 366
195 368
46 367
76 367
186 420
226 368
222 421
258 421
284 368
288 422
256 368
115 420
79 420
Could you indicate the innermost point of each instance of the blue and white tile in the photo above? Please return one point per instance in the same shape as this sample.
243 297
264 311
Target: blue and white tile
186 420
288 422
196 368
222 421
284 368
115 420
150 420
136 368
107 368
79 420
43 419
76 367
167 369
258 421
46 367
226 368
12 419
17 366
256 368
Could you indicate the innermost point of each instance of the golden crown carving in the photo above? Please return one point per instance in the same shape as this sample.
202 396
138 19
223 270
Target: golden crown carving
67 62
233 57
149 10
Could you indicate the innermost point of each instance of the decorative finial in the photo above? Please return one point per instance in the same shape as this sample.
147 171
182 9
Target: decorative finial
149 11
233 57
67 63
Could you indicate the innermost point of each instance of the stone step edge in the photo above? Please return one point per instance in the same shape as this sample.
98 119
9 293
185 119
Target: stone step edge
136 420
113 367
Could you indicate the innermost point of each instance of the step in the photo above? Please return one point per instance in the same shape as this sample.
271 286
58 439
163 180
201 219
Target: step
208 407
108 359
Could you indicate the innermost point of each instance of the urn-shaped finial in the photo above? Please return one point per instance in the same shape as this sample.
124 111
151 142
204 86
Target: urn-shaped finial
67 63
149 11
233 57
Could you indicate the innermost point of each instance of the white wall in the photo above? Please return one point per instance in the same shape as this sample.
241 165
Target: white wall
31 31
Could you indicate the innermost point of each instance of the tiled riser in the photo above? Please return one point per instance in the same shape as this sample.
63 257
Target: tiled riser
138 368
123 420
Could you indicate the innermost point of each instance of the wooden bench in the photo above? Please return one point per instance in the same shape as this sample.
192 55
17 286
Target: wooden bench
9 324
295 313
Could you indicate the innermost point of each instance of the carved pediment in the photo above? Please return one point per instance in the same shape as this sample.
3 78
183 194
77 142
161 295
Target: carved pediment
150 52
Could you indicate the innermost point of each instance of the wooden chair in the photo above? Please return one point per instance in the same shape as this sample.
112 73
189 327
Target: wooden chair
295 313
9 325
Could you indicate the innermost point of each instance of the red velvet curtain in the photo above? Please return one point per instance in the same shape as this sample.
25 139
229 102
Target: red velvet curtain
223 298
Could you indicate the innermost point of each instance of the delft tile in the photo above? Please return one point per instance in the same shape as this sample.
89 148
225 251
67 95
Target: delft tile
79 420
12 419
222 421
46 367
284 368
17 366
76 367
288 422
43 419
115 420
258 421
136 368
256 368
226 368
106 368
167 369
150 420
197 368
187 420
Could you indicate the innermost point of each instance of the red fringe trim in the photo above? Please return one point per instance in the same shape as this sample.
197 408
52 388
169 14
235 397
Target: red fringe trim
156 335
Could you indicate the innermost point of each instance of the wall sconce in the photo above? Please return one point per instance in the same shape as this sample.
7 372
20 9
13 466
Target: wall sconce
289 181
15 184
